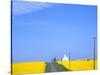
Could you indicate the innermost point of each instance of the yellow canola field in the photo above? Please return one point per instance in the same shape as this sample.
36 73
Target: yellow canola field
79 65
39 67
28 68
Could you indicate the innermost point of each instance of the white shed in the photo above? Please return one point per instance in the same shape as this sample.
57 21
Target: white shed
65 58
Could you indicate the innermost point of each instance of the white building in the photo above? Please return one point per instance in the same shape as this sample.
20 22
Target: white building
65 58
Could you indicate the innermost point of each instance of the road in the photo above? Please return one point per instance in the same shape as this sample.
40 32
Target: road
55 67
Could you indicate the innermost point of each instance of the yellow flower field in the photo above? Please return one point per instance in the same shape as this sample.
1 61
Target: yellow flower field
39 67
28 67
79 65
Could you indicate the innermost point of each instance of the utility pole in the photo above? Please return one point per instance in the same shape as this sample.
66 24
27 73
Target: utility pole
69 61
94 53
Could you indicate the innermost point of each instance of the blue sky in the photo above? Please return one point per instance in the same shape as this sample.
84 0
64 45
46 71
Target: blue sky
42 31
